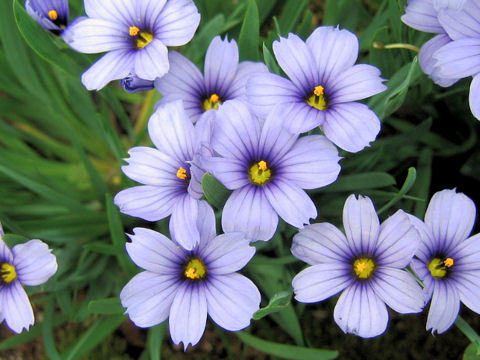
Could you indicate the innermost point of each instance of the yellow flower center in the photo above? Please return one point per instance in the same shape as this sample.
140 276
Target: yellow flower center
182 173
363 268
53 15
317 100
259 173
195 269
8 273
142 38
212 102
439 268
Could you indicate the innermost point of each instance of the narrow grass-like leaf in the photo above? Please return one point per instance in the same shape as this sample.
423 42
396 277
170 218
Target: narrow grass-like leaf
286 351
249 38
214 191
155 339
109 306
47 331
469 332
269 60
407 185
278 302
291 14
356 182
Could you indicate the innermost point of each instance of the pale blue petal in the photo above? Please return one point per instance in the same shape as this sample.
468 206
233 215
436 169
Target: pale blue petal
151 61
461 24
421 15
221 62
183 223
444 307
245 70
177 23
474 96
34 262
459 58
206 223
122 11
16 307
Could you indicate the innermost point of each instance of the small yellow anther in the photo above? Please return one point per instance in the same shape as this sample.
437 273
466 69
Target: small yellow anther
195 269
53 15
448 262
360 267
190 273
262 165
319 90
133 30
182 173
8 273
214 98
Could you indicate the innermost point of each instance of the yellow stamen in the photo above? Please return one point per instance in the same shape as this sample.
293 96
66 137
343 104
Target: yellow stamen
195 269
144 38
317 99
182 173
8 273
262 165
259 173
363 268
133 31
212 102
448 262
53 15
319 90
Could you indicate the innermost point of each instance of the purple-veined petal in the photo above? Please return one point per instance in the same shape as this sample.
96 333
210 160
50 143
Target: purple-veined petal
361 312
444 307
16 307
351 126
459 58
172 132
177 22
182 82
133 84
221 62
148 297
151 203
183 222
450 217
114 65
474 97
321 243
333 51
296 59
206 223
397 241
227 253
290 202
361 223
428 62
232 299
122 11
248 210
38 9
34 262
426 245
152 167
236 131
245 70
91 36
274 141
148 11
467 254
421 15
299 117
5 253
151 61
232 173
319 282
355 83
421 270
398 289
265 91
311 163
188 314
154 252
461 24
449 4
467 284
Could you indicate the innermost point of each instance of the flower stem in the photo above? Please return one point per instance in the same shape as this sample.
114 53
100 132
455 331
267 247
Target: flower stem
468 331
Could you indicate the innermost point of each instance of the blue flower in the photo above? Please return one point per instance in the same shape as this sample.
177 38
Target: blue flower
52 15
185 285
224 78
29 264
135 33
133 84
171 181
323 88
447 260
365 265
267 168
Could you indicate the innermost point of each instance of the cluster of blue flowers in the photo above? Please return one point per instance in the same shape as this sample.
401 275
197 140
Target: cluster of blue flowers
251 129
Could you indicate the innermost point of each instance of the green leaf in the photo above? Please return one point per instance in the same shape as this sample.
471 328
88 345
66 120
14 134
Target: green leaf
214 191
41 42
270 60
471 353
102 248
278 302
249 38
359 182
93 337
108 306
154 340
469 332
291 15
407 185
47 331
286 351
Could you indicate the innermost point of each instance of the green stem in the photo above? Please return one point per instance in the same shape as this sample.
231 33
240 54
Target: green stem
468 331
